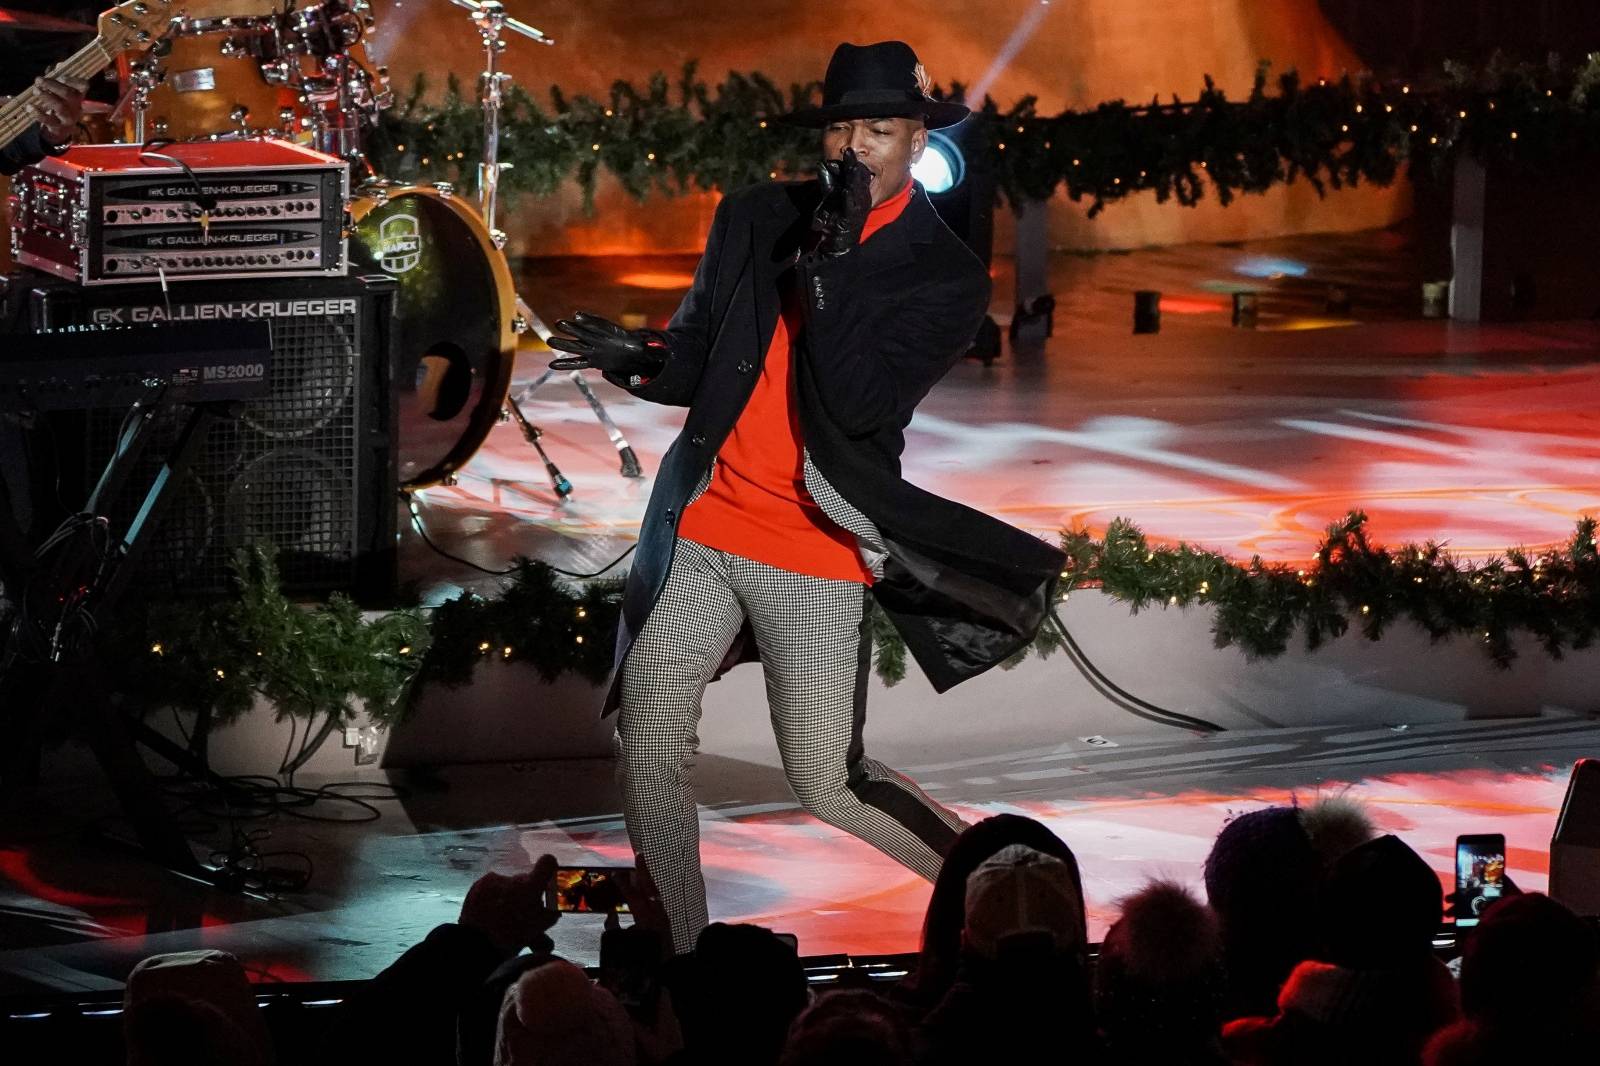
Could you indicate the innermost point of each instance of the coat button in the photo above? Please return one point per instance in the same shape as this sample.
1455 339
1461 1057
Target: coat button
669 514
698 440
745 366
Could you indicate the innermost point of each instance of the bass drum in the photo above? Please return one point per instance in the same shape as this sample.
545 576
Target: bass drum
454 342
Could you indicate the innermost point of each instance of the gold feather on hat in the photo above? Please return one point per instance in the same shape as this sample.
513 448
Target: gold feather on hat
924 83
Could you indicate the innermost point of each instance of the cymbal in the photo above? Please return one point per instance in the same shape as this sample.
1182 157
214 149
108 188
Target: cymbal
27 20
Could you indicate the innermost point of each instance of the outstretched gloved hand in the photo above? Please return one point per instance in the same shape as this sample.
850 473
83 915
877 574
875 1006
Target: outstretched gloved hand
598 343
846 200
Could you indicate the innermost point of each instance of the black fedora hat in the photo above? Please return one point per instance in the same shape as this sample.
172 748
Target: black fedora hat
876 81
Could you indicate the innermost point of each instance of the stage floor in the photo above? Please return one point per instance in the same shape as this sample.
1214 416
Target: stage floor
76 914
1243 441
1246 441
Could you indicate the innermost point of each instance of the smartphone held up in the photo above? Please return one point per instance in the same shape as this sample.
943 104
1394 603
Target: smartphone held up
1480 875
591 889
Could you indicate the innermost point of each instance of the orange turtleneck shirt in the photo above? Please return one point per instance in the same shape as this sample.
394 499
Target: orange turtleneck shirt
757 505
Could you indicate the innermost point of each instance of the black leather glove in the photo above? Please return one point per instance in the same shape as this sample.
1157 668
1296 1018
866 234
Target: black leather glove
601 344
846 199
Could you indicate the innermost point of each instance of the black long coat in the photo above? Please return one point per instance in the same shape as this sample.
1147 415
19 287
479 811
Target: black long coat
881 326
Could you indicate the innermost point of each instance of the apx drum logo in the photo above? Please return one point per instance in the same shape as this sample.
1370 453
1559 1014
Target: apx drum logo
399 243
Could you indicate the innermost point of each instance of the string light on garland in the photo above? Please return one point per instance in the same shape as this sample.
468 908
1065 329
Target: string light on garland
318 662
1554 596
1328 132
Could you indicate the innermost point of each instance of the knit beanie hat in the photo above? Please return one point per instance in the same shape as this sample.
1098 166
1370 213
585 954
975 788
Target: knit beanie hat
1020 890
1529 958
1261 859
1382 906
554 1016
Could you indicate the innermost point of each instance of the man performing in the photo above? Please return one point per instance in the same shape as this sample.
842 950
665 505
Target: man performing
821 314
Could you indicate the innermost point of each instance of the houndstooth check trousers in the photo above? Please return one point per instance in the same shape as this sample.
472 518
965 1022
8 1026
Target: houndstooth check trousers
816 652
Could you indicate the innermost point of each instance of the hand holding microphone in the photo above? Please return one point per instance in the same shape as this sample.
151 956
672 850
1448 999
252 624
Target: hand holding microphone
846 200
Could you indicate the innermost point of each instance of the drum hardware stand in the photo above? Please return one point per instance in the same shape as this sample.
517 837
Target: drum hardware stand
531 433
492 21
630 461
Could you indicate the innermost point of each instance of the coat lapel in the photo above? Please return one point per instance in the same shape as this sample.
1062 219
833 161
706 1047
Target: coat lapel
776 237
891 246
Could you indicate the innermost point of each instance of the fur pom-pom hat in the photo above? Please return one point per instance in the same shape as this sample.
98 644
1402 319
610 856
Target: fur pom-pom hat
1337 825
1160 978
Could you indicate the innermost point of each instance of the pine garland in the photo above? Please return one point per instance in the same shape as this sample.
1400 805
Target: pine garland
665 139
1259 606
314 662
537 619
658 140
308 661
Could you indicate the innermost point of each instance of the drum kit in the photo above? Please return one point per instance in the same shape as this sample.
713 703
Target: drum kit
300 71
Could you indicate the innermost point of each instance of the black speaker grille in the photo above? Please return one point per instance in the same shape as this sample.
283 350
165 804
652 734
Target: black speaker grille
283 473
307 468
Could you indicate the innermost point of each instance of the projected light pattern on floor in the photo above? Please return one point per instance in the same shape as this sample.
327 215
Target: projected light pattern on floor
1243 442
787 871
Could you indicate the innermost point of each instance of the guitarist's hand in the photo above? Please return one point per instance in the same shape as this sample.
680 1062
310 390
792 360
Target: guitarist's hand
58 108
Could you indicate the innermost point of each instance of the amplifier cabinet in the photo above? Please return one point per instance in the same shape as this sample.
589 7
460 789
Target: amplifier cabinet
309 468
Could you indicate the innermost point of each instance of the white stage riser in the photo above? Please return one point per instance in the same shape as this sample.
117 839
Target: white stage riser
1164 656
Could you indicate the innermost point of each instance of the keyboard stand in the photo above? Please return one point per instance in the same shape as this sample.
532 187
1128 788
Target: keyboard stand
62 686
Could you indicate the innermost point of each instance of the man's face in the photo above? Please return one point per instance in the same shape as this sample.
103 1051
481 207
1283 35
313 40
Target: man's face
886 146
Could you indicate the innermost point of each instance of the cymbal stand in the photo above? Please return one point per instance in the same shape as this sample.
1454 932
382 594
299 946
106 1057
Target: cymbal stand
143 76
492 21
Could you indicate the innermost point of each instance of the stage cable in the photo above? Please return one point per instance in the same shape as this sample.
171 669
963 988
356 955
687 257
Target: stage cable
1120 696
241 864
1097 678
416 522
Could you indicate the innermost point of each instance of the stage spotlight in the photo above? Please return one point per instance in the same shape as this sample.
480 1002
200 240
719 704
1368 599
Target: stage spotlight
941 167
960 185
1268 266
